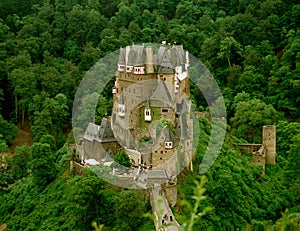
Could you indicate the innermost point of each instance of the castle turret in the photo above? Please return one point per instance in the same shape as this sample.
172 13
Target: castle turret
149 60
269 141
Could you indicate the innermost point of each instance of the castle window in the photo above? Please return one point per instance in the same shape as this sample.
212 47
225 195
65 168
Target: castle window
161 152
147 114
168 145
164 110
164 79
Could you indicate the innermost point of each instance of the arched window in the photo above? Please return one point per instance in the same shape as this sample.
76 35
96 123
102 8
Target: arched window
147 114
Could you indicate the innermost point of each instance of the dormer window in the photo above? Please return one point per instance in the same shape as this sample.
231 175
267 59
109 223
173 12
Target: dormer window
129 68
121 67
147 114
168 144
139 70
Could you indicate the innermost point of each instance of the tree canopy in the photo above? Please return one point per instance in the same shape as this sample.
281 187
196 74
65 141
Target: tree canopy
46 46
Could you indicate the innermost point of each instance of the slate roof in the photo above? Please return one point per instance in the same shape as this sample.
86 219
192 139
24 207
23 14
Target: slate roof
157 174
174 57
91 132
182 129
180 54
182 107
160 54
108 157
136 56
147 104
122 56
102 133
162 94
166 133
164 59
105 132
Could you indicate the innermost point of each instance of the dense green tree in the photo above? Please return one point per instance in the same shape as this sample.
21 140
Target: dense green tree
292 171
21 161
129 200
249 118
228 45
8 131
89 56
85 200
42 165
45 49
49 115
122 158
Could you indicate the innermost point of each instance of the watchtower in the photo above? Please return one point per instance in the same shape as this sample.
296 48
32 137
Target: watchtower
264 153
269 142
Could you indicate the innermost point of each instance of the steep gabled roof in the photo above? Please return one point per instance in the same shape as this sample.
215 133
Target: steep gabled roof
161 93
180 54
122 56
160 54
182 107
108 156
105 131
91 132
136 56
140 56
166 133
182 129
174 57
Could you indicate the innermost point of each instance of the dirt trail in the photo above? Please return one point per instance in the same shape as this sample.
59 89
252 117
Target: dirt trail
23 136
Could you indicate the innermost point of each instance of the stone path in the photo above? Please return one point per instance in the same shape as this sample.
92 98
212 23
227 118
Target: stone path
160 207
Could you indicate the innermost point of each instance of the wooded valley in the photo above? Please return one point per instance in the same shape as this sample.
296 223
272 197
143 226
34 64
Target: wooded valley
252 48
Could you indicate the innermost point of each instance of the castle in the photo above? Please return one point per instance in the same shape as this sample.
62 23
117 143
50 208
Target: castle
151 117
151 112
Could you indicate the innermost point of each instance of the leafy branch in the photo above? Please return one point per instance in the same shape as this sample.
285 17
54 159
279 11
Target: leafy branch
199 191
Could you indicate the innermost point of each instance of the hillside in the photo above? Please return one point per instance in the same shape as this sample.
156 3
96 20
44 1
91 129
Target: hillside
251 48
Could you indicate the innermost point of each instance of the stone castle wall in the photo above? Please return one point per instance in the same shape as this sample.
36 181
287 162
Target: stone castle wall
162 155
171 193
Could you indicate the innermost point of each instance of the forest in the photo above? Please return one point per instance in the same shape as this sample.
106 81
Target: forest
251 47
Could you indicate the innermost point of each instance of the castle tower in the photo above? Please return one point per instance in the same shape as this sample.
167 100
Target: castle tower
269 141
149 60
